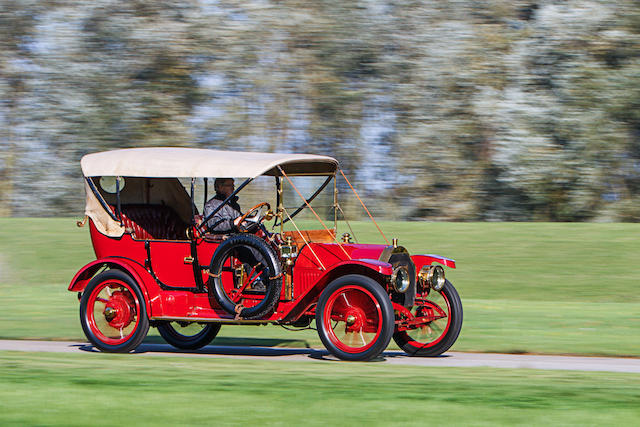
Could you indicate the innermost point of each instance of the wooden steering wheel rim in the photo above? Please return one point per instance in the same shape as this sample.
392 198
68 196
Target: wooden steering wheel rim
258 206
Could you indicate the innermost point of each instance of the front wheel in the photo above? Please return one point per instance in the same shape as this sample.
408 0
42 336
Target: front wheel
354 317
113 312
188 336
432 325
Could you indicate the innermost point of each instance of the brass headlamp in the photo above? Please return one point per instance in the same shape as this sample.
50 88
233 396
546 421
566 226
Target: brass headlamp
432 276
400 279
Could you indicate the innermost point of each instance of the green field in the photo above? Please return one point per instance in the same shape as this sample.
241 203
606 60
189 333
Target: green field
541 288
525 287
134 389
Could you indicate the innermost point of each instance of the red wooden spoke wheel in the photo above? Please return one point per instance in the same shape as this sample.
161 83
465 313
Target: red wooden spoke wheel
432 325
113 312
354 318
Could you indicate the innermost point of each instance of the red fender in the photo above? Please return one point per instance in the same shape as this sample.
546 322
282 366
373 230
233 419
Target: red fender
140 275
378 266
422 260
368 267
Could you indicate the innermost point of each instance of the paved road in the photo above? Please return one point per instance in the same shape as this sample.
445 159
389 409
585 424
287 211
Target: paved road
608 364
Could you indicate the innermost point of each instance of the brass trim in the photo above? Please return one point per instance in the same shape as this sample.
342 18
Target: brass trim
335 202
425 276
390 250
288 286
110 313
394 277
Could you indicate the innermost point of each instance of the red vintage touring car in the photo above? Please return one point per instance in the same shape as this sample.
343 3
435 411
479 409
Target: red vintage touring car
160 264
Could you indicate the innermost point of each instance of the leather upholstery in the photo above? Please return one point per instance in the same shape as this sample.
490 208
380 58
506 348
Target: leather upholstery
153 222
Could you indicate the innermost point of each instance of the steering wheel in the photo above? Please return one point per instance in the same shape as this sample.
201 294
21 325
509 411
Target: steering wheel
255 216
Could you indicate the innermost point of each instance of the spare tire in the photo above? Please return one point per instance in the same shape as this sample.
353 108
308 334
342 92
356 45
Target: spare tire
249 249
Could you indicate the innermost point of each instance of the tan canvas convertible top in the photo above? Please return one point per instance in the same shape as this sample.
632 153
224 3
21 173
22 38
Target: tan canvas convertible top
174 162
169 162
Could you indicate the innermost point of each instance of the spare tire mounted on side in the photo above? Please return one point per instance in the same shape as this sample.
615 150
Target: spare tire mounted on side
267 270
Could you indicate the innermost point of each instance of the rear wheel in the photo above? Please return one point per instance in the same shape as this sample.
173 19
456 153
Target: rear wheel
188 336
113 312
354 317
432 325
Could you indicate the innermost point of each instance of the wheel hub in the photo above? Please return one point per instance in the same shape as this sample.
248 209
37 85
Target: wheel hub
110 313
119 311
354 319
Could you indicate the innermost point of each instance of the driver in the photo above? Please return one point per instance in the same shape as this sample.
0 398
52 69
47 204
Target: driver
226 219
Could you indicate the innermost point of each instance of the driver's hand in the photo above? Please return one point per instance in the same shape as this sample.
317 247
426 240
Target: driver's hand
236 221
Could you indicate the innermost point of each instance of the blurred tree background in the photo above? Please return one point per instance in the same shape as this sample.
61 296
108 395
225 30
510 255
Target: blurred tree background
457 110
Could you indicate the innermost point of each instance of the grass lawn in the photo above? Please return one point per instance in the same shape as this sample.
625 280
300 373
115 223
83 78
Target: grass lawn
135 389
525 287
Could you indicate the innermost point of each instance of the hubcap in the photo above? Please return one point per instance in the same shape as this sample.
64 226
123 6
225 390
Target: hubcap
110 313
355 319
119 311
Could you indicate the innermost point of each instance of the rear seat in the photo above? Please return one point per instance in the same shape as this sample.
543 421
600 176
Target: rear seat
153 222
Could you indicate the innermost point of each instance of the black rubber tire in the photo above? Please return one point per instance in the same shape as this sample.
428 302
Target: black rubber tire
138 334
188 342
425 350
381 297
273 270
